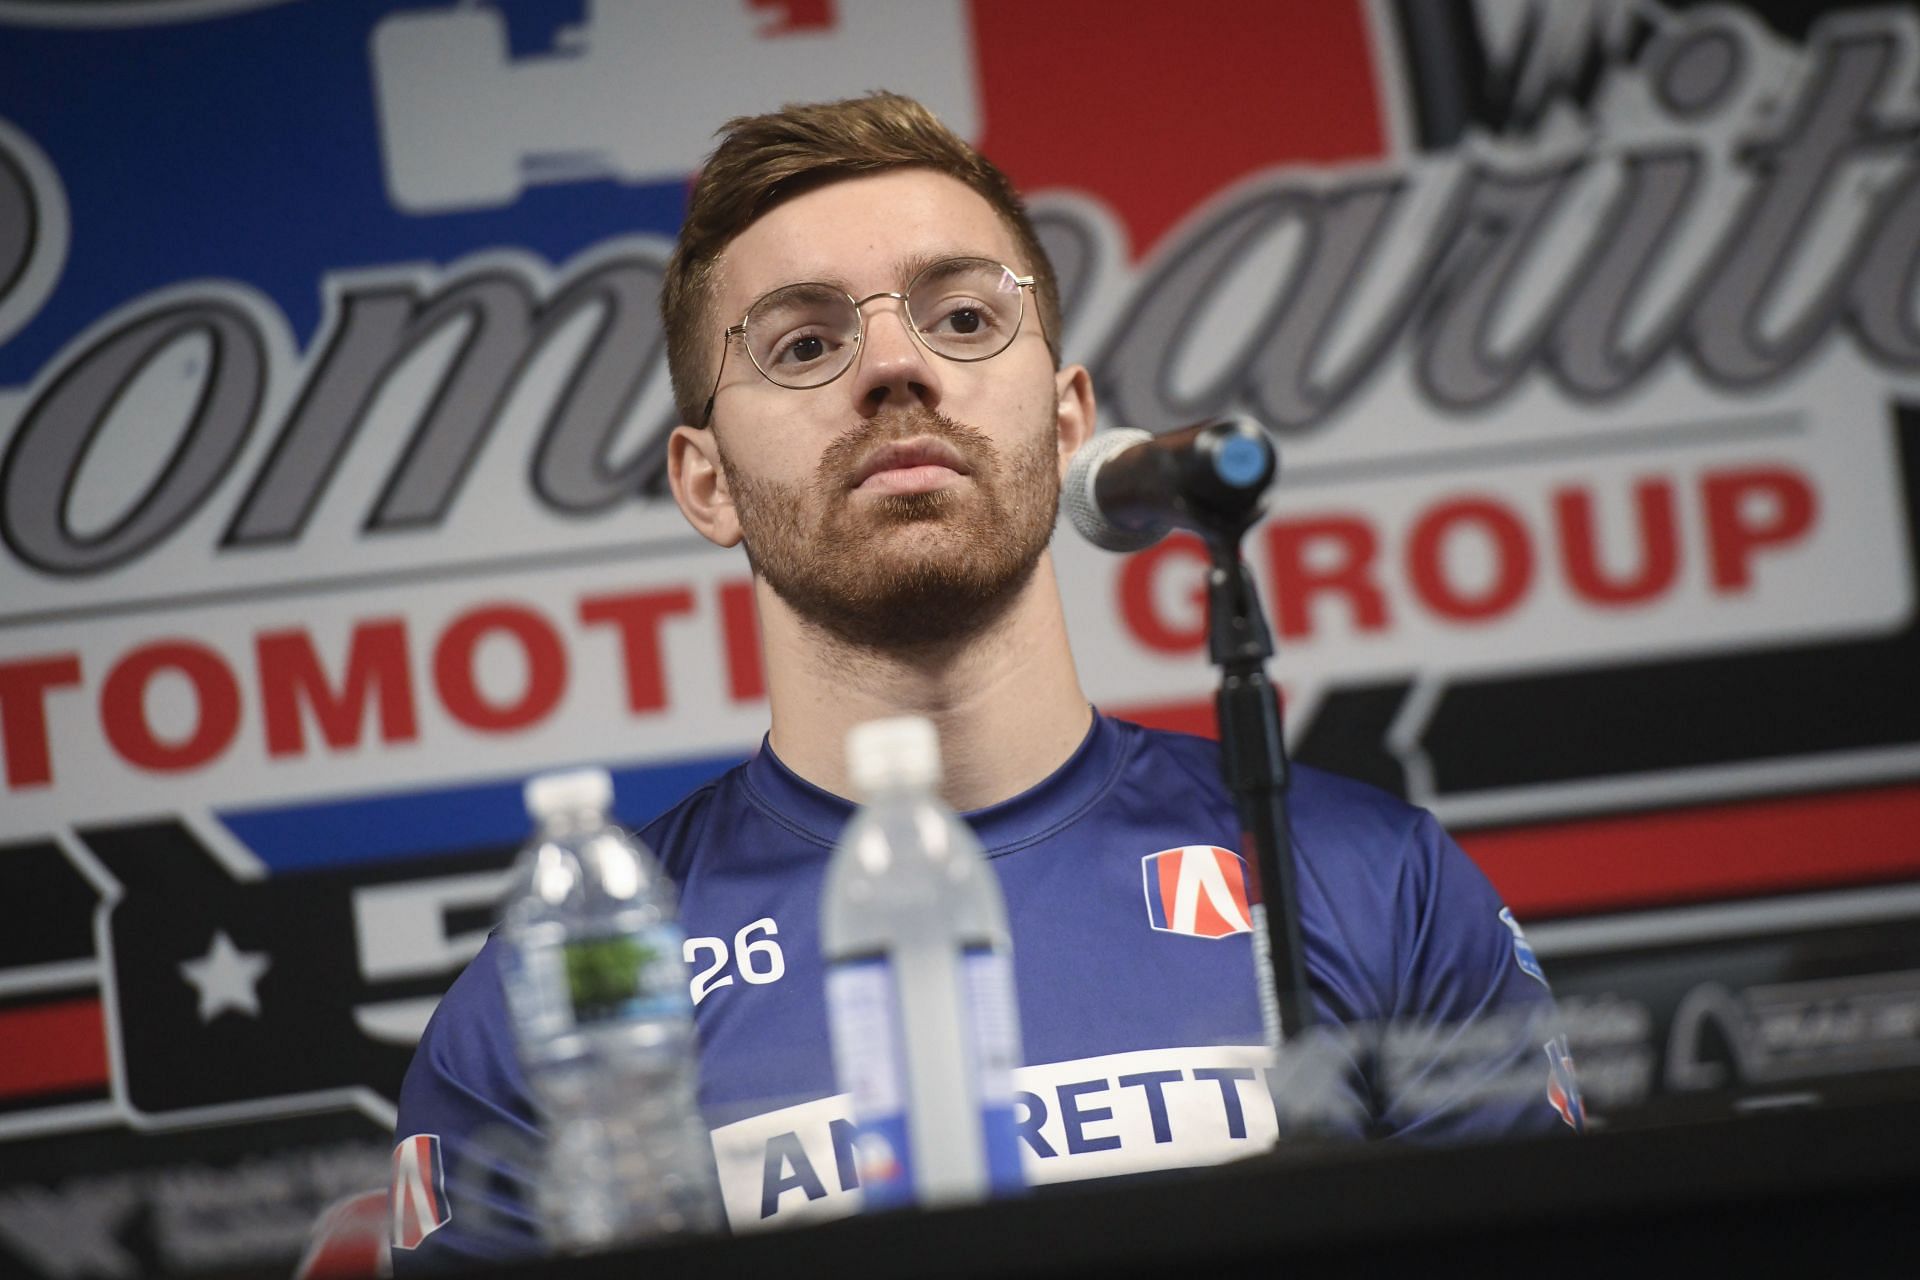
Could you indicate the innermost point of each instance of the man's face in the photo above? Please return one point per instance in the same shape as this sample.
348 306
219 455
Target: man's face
908 500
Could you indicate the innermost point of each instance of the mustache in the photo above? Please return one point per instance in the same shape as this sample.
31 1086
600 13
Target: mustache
841 460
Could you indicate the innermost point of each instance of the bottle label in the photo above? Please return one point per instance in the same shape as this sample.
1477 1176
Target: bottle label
622 976
994 1017
586 982
869 1055
869 1058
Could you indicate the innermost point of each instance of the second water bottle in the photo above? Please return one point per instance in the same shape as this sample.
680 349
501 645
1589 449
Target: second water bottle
597 987
920 1001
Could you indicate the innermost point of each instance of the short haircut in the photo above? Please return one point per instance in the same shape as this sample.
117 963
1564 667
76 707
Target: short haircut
764 160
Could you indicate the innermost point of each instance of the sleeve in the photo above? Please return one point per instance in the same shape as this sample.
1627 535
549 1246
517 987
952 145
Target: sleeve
1473 1049
467 1143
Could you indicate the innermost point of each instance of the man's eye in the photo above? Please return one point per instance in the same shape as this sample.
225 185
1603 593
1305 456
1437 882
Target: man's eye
802 350
962 319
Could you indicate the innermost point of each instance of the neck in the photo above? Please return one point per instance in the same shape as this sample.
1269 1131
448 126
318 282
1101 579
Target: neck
1006 701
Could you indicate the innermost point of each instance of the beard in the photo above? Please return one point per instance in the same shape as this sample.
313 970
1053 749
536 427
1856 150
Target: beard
910 570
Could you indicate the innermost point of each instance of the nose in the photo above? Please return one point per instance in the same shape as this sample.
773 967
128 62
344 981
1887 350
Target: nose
895 370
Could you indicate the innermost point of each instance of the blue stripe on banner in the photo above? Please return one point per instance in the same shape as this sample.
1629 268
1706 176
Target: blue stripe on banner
249 143
417 824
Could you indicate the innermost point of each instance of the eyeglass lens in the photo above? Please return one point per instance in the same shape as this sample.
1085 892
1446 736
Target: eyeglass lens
806 334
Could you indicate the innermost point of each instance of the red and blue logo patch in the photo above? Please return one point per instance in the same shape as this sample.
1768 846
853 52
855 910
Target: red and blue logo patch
1198 889
1563 1087
419 1190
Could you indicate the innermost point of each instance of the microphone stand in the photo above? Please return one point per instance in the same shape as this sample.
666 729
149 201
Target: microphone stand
1217 475
1253 764
1222 496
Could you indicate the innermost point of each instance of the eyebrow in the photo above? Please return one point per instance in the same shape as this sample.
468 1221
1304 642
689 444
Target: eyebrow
913 264
904 269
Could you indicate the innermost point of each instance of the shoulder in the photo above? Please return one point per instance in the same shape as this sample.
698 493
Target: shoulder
1332 816
1379 876
702 817
468 1043
464 1196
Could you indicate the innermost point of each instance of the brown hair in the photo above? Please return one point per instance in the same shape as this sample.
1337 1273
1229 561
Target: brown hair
763 160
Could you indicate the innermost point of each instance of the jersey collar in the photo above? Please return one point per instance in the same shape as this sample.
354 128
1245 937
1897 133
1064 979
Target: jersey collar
1034 814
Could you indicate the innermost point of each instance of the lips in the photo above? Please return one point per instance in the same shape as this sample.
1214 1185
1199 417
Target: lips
910 465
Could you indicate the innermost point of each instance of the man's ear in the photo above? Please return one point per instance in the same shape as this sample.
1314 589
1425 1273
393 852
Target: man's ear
700 486
1073 411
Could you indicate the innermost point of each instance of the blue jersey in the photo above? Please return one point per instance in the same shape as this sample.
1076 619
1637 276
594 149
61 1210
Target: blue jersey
1127 903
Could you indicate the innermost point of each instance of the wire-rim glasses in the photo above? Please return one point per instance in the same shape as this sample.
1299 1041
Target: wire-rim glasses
805 335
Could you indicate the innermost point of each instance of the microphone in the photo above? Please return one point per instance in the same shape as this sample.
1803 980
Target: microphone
1126 489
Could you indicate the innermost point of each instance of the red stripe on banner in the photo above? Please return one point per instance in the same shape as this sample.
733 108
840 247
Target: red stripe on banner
1677 855
53 1048
1648 859
1264 83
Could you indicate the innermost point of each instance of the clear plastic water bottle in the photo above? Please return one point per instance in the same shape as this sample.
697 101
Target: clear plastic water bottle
597 988
925 1031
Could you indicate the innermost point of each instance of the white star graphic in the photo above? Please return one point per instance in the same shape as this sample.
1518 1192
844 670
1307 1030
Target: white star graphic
226 978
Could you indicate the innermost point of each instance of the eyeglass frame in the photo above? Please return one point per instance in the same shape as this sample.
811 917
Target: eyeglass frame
728 334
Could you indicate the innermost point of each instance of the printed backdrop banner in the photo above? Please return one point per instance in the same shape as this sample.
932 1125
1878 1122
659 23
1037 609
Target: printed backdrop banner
332 412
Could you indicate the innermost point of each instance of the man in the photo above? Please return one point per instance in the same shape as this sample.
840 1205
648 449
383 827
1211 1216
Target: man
862 330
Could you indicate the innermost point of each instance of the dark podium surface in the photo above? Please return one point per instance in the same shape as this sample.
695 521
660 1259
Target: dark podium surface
1785 1193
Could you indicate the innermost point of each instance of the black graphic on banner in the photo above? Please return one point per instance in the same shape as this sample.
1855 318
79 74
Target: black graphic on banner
240 1199
1803 1017
1456 82
227 991
1348 734
59 927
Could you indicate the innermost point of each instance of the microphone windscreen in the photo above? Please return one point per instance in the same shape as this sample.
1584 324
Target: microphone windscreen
1083 507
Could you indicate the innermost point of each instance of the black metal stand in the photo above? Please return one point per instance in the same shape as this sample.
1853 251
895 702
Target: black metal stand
1212 477
1253 763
